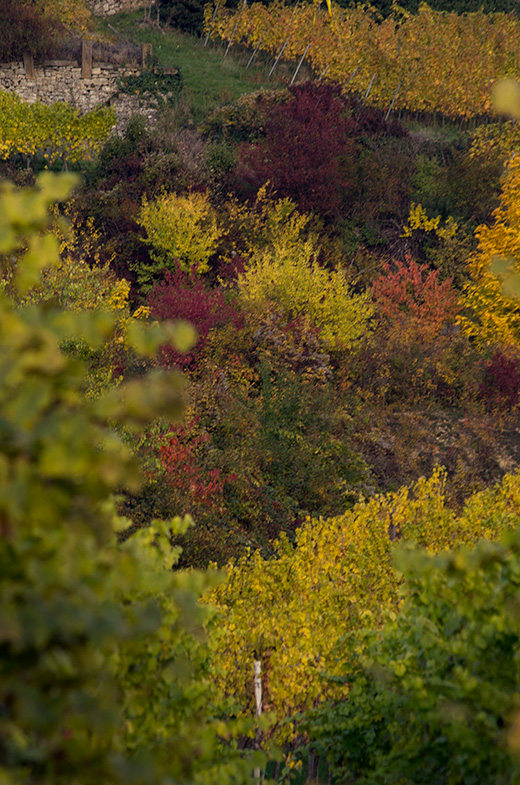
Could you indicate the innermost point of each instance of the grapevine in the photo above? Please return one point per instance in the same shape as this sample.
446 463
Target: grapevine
56 132
294 610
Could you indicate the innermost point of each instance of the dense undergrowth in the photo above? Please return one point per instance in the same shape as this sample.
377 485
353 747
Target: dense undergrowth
352 339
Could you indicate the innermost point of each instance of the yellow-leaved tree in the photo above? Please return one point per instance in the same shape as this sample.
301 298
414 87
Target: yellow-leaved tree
284 270
491 309
72 13
180 230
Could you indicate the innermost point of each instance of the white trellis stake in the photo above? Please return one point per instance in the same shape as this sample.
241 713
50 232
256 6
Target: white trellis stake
324 72
252 57
235 27
258 701
279 55
212 20
352 75
387 115
300 63
369 87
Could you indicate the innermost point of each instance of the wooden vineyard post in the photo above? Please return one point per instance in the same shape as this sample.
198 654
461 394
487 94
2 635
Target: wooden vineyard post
28 64
146 56
257 664
86 59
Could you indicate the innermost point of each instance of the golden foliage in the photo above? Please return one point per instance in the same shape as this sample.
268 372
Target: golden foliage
74 14
492 313
57 131
441 61
418 220
181 229
496 139
283 269
294 609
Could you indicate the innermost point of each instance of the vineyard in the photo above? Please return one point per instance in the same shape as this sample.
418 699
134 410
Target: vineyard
431 61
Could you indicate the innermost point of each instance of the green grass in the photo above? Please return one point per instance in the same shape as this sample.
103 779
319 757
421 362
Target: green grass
210 78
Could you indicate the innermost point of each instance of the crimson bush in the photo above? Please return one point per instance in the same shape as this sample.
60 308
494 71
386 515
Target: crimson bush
304 140
326 152
186 296
500 388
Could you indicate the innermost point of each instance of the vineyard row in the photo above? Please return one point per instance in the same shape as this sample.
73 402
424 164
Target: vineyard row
431 61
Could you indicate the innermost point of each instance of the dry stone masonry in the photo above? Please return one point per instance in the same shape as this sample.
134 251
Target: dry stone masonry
111 7
84 86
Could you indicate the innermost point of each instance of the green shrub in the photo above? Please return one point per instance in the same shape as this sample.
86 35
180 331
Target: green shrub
434 696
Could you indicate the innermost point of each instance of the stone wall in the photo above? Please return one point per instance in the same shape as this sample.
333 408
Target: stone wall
110 7
62 80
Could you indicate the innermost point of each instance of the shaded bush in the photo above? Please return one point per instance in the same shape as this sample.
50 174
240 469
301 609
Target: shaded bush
500 388
138 163
185 15
24 29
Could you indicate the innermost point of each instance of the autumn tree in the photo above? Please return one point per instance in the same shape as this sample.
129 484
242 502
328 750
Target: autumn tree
491 309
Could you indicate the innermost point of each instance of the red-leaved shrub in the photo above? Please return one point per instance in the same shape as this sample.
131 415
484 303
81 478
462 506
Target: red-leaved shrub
327 153
186 296
306 154
196 487
413 356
